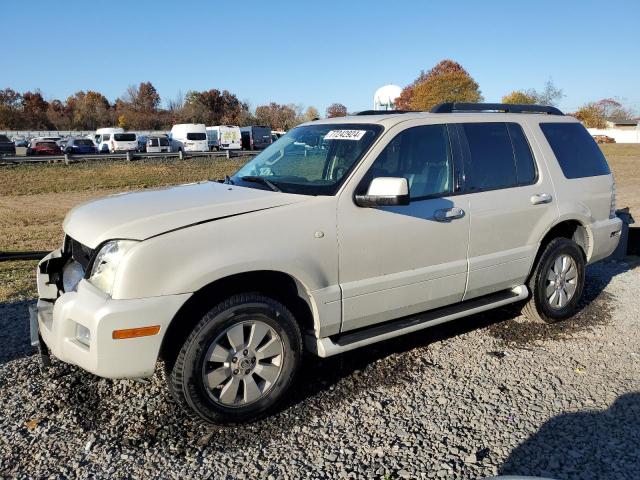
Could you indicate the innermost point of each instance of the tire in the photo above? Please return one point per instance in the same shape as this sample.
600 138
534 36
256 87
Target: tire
555 297
225 336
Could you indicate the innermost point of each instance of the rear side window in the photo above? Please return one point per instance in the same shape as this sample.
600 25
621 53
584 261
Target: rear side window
106 137
577 153
500 157
196 136
124 137
164 142
525 165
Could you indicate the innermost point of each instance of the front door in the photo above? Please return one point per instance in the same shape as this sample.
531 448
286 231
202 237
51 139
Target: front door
401 260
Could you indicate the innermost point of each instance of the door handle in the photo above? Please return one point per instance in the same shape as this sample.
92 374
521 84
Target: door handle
447 214
541 198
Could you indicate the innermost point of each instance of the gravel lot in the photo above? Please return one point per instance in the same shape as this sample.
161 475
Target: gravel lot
485 395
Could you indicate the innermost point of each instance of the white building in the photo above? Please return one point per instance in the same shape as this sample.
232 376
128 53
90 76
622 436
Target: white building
385 97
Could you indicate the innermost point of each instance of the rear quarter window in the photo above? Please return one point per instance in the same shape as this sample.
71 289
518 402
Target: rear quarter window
577 153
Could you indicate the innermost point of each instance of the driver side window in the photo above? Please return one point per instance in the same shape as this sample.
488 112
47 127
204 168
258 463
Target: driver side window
423 156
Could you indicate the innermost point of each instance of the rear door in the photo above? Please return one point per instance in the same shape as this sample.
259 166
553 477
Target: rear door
511 203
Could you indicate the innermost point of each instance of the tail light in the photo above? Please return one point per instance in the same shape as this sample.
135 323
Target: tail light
612 208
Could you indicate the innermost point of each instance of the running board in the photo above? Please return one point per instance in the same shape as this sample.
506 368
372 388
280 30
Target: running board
328 346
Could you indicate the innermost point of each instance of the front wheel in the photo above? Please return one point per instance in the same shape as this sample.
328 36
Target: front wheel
557 282
239 360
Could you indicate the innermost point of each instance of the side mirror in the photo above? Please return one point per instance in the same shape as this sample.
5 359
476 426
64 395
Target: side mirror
384 192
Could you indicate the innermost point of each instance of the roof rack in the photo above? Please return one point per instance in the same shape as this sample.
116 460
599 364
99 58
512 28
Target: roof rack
494 107
383 112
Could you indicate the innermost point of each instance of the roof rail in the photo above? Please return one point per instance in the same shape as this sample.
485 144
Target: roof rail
494 107
382 112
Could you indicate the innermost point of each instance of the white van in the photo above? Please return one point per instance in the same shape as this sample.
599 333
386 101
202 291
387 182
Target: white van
114 140
189 137
225 137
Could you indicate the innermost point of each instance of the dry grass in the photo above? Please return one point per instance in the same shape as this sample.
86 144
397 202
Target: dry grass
35 198
17 281
624 160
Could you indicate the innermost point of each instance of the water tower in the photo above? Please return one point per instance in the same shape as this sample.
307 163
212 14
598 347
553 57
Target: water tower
385 97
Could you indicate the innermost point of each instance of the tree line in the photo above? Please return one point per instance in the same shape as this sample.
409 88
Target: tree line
139 108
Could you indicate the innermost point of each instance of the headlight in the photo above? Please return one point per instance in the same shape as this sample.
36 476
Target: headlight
105 265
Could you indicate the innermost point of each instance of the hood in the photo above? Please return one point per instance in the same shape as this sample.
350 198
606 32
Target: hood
140 215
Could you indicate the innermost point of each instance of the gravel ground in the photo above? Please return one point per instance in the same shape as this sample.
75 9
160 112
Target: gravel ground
490 394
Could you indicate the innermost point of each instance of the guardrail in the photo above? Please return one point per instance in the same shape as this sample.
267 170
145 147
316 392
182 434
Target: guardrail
127 156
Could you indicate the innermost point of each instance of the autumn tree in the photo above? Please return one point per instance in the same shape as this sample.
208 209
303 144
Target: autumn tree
34 110
89 110
212 107
519 97
278 117
444 67
592 115
59 115
336 110
447 87
10 104
613 110
310 114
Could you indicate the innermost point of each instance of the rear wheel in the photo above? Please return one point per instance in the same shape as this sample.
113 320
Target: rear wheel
239 360
557 282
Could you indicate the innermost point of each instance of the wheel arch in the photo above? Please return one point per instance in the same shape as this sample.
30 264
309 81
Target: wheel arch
570 228
279 285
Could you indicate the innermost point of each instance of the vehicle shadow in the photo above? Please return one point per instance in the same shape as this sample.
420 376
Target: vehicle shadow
586 445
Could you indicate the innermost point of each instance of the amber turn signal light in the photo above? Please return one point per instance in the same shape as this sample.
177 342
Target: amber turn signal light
136 332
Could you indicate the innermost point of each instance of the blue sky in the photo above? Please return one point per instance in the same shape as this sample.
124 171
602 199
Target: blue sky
316 53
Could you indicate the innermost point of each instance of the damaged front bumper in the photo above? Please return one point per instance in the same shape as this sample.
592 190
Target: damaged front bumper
58 317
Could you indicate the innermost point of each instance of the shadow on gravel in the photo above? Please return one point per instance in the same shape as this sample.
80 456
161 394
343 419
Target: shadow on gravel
595 308
14 331
597 445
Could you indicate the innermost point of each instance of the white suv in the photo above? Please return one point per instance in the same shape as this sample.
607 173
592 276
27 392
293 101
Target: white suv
345 232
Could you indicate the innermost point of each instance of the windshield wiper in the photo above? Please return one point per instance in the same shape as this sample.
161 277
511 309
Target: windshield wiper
264 181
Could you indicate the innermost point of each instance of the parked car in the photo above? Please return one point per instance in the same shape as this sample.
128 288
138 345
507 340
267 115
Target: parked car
77 146
391 223
224 137
158 144
276 134
114 140
256 137
189 137
20 142
43 147
142 143
7 147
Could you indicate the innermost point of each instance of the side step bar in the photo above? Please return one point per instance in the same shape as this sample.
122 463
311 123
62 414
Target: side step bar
328 346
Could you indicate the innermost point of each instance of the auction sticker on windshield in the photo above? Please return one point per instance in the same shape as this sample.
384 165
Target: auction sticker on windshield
345 134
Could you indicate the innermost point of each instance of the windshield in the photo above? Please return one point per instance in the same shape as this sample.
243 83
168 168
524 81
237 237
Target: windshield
196 136
124 137
310 160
